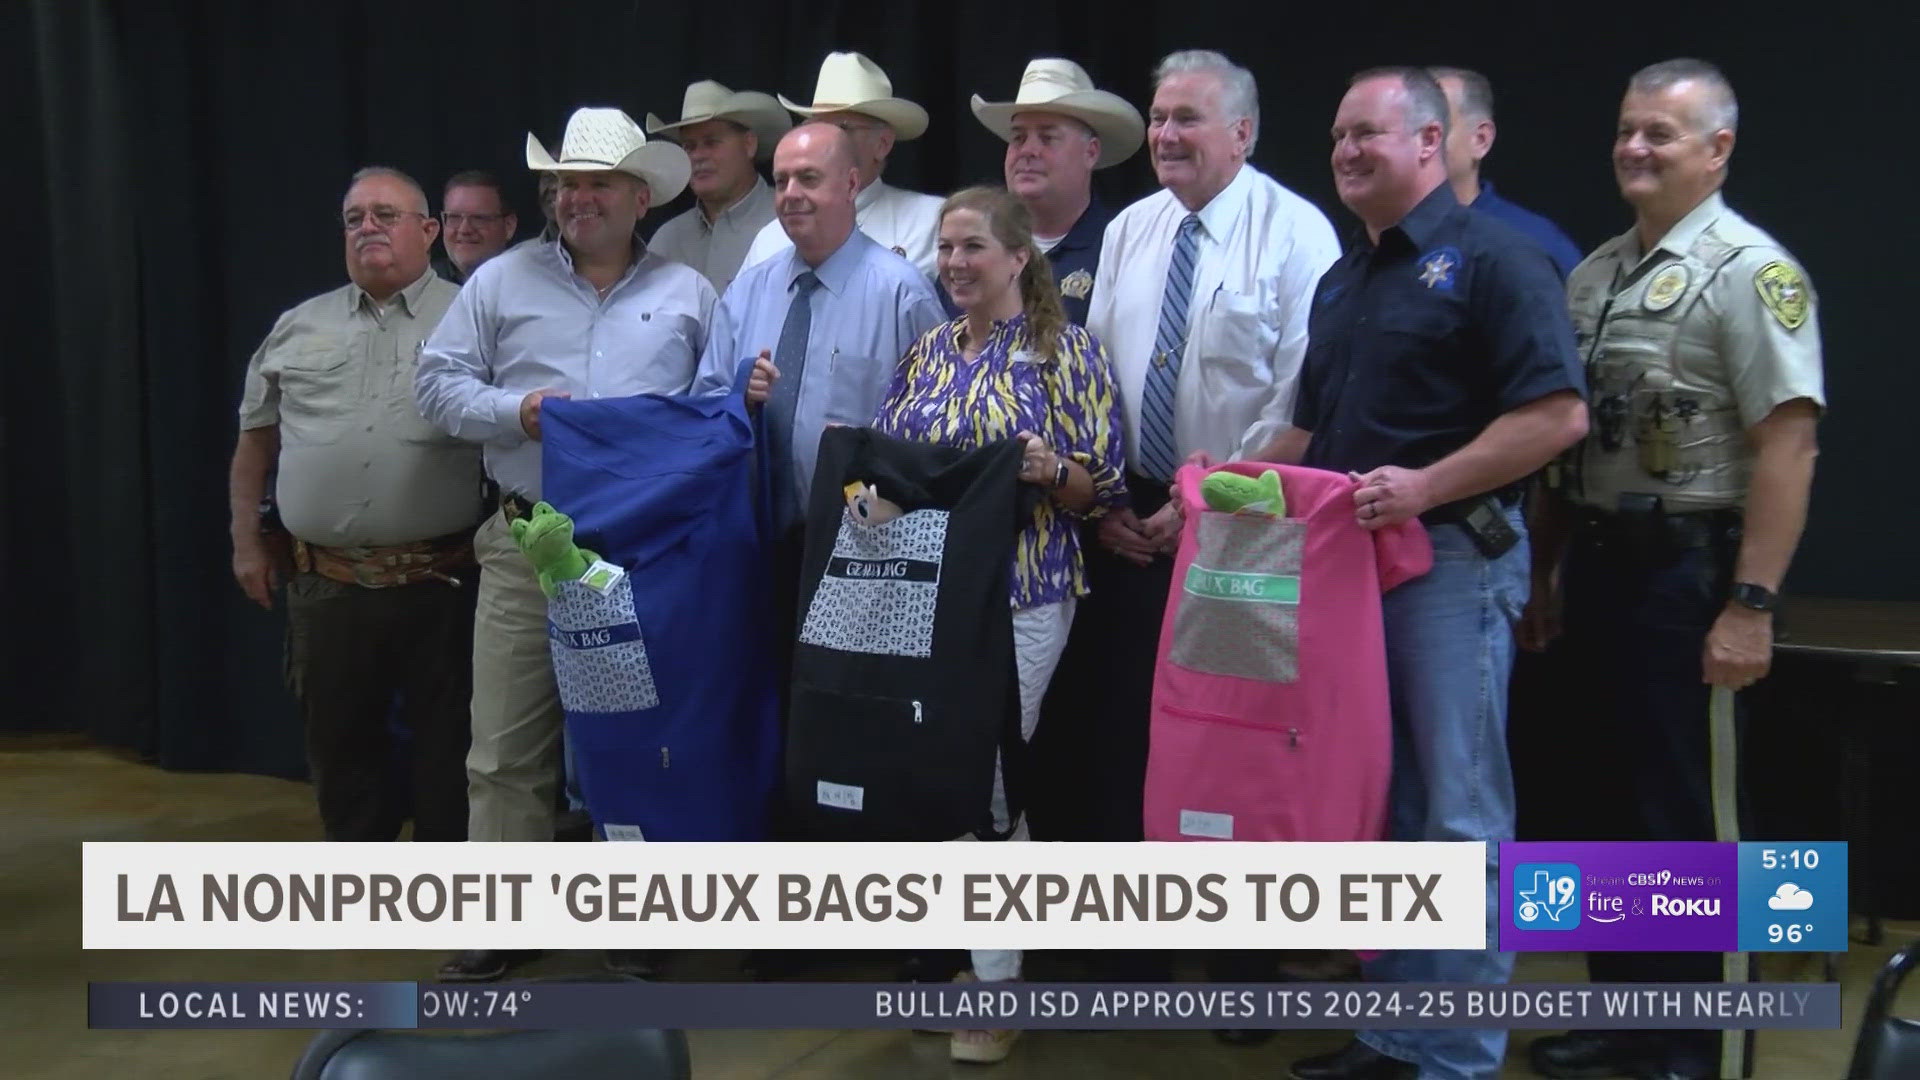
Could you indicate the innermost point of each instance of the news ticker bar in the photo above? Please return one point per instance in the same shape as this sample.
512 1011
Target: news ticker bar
1037 1006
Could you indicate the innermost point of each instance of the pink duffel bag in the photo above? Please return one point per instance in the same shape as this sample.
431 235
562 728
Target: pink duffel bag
1271 713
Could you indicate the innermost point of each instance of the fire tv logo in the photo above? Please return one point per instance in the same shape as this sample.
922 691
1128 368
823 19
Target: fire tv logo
1546 896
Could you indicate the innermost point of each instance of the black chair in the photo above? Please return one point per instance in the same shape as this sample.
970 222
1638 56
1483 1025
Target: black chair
1889 1046
619 1054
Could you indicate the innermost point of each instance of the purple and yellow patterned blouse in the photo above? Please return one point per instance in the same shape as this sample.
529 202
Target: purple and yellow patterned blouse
939 396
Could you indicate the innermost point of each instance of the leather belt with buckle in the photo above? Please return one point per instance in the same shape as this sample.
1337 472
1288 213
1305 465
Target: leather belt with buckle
389 566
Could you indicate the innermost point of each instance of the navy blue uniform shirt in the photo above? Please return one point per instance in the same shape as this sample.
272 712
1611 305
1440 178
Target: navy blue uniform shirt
1563 251
1076 259
1414 346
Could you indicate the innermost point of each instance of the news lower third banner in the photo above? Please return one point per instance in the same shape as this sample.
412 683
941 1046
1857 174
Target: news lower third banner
1560 897
825 896
560 1005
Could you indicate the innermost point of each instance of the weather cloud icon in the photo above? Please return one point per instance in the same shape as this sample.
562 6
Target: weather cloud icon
1790 897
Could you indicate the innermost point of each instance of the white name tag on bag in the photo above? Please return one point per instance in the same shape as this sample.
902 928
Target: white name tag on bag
839 796
602 576
1201 823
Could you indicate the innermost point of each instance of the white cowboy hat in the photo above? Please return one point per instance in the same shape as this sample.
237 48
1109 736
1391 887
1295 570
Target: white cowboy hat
708 100
599 140
849 82
1061 86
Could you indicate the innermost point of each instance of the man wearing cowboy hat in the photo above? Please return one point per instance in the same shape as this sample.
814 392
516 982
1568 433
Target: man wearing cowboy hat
723 133
1058 130
591 314
854 95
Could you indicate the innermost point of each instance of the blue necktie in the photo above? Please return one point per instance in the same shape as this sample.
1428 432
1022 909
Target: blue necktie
1159 454
790 356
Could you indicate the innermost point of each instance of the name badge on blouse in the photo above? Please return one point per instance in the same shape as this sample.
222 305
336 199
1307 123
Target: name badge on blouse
1021 356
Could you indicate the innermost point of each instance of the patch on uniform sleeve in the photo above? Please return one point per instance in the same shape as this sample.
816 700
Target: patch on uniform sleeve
1438 268
1077 284
1784 292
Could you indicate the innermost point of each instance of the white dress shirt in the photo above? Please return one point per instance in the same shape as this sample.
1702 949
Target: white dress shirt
716 248
905 221
1261 251
526 321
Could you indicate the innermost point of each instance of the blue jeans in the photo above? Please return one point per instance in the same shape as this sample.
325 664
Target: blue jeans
1449 652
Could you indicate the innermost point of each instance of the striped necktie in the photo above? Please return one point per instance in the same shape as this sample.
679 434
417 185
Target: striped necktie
1159 454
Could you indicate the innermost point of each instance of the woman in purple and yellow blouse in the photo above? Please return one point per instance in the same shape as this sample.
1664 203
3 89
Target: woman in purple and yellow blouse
1013 366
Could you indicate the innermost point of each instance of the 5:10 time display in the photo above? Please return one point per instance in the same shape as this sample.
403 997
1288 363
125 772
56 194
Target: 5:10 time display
1790 859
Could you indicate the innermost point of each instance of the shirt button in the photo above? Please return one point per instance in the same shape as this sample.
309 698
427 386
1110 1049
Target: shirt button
597 354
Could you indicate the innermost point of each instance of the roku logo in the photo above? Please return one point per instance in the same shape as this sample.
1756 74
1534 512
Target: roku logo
1675 905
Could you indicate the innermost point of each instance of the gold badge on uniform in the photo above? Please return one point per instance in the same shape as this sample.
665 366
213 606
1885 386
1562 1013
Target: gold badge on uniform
1666 287
1784 292
1077 285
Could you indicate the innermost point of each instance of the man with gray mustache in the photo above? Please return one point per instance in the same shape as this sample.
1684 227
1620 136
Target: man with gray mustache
370 525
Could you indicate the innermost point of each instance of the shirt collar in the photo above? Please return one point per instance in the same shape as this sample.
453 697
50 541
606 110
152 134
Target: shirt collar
870 195
1426 217
1679 239
754 194
1218 216
1001 337
560 252
1487 197
409 297
836 273
1088 229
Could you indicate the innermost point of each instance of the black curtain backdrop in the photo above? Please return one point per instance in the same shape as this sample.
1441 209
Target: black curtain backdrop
182 163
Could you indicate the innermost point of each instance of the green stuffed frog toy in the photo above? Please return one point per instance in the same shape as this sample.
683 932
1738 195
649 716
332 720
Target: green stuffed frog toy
546 537
1234 493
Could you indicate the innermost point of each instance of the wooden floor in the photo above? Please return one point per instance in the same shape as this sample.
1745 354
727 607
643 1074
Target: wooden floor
53 797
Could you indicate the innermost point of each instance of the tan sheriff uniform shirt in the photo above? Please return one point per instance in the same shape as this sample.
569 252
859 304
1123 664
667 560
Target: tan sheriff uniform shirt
1687 346
358 463
716 248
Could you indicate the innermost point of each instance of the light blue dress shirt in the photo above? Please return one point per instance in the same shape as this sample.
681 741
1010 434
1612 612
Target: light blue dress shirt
526 321
872 305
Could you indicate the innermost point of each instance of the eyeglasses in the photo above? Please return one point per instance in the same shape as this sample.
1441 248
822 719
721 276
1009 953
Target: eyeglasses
455 221
385 217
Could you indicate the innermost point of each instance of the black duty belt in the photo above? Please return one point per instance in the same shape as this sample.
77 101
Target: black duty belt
1457 511
1675 530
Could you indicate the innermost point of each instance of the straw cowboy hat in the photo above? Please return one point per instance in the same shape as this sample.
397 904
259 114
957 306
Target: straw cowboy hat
598 140
849 82
1061 86
708 100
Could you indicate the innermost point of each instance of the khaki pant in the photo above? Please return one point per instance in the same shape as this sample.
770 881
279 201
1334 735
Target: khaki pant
513 770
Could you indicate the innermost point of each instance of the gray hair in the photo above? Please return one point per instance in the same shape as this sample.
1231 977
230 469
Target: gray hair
1719 110
1476 93
1426 102
371 171
1239 94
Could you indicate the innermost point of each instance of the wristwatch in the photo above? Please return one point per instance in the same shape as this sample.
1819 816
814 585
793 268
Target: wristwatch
1755 597
1060 474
